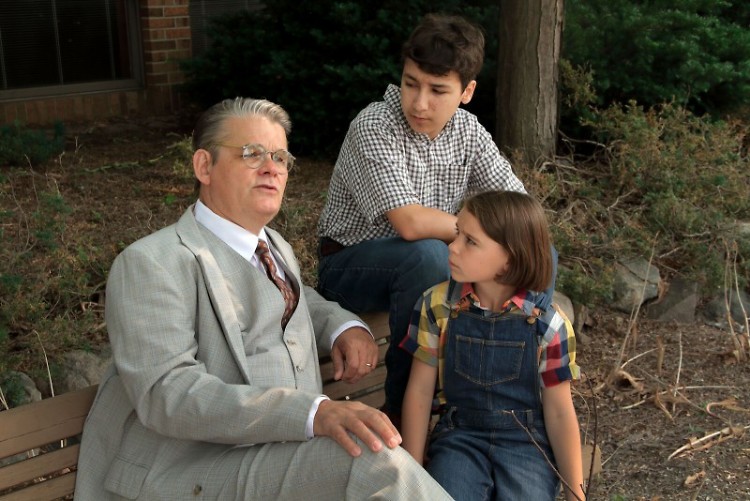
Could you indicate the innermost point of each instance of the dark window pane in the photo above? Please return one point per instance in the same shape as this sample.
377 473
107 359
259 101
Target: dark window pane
79 41
29 49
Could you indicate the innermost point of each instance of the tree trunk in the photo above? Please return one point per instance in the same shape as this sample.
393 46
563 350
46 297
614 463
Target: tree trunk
530 34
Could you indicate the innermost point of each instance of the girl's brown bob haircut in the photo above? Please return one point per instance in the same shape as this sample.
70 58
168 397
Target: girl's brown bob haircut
517 222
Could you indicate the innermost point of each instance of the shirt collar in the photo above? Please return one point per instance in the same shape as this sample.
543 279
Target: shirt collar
238 238
468 297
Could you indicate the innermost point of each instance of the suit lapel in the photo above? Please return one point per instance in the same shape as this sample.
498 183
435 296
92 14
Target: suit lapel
190 234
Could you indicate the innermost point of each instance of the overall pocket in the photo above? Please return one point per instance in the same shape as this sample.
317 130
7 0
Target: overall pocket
488 362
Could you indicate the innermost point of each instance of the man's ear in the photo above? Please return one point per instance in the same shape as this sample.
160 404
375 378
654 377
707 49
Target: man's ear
202 166
468 92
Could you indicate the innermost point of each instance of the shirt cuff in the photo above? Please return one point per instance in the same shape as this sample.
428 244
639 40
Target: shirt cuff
348 325
311 416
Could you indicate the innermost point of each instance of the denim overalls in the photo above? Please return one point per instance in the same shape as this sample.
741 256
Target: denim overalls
478 449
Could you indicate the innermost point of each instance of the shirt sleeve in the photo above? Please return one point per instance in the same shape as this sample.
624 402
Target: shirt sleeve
557 362
491 171
378 177
424 333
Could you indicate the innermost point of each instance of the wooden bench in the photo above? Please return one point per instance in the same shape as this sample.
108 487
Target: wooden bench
42 437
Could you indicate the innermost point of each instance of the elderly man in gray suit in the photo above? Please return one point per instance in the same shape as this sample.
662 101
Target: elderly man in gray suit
215 389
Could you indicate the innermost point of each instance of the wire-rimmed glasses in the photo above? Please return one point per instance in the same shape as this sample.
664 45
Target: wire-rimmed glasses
255 154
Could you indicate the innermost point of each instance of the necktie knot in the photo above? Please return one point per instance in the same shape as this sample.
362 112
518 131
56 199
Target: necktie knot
290 298
262 249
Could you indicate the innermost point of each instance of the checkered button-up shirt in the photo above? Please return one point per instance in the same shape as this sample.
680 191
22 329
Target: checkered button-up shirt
429 321
383 164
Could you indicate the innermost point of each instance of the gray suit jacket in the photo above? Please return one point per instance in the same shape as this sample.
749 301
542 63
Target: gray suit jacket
200 360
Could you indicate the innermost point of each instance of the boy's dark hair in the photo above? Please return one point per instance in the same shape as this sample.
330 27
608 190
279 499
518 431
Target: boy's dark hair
441 44
517 222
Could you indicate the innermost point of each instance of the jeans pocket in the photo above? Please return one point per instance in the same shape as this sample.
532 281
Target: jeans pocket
488 362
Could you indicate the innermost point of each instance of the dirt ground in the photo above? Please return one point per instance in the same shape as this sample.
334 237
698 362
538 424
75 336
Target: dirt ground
675 383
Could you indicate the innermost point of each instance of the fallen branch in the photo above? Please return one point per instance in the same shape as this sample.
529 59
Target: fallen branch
679 370
710 440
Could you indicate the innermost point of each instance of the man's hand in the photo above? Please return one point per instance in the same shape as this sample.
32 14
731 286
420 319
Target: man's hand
338 419
354 355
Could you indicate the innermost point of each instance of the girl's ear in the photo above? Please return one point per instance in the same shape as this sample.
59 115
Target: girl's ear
499 276
202 166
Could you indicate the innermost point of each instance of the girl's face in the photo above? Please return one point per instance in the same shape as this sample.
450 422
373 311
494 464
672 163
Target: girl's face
474 257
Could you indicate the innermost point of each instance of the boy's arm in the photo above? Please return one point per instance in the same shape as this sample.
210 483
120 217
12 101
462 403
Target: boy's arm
561 424
416 409
416 222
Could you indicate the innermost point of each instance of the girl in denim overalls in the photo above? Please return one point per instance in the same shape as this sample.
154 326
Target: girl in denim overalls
502 367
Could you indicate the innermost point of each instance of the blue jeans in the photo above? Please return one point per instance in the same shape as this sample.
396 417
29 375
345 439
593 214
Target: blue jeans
386 274
481 464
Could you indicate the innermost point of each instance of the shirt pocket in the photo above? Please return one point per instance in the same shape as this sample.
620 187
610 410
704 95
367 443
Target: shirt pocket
488 362
448 188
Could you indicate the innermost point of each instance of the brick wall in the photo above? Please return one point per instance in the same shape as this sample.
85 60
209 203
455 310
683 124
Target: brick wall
165 25
165 39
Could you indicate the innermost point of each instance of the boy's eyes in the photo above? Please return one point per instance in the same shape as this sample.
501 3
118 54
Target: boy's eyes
438 91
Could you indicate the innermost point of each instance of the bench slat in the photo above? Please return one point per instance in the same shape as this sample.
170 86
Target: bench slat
53 488
38 466
374 399
378 323
44 422
339 389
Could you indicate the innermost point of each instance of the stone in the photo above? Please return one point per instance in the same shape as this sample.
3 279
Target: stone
630 277
678 303
565 304
81 369
715 312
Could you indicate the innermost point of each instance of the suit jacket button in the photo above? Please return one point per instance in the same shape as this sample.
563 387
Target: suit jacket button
299 368
197 490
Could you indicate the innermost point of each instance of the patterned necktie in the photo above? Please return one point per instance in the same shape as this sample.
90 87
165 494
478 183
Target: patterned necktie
290 298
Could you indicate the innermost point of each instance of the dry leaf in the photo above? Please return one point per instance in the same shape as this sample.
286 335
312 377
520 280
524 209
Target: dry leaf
728 403
692 480
623 380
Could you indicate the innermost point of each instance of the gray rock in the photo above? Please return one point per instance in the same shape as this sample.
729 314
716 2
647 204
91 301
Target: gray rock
678 304
565 304
81 369
630 276
715 311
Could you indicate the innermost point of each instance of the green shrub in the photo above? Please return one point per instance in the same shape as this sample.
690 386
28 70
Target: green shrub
323 61
12 388
664 181
693 52
20 145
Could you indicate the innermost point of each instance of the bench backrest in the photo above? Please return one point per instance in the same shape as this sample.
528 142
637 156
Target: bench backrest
39 441
31 437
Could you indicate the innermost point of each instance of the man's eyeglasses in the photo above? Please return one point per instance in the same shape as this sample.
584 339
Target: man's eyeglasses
255 154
